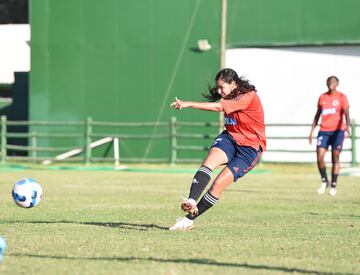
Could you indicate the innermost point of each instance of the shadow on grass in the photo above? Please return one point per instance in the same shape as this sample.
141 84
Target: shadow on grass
182 261
333 215
244 191
122 225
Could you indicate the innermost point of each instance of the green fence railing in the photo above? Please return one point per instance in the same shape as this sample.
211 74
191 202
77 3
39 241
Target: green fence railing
91 139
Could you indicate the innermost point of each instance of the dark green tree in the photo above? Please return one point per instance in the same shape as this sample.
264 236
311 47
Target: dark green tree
14 11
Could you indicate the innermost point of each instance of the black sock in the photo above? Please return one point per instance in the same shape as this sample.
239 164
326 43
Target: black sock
333 180
323 175
206 202
200 181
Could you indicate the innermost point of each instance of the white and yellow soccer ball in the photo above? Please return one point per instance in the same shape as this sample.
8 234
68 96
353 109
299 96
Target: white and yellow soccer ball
27 193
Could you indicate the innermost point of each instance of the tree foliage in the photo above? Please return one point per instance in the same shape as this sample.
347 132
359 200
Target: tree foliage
14 11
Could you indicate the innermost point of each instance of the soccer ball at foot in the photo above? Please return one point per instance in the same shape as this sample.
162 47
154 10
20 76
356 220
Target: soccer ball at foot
27 193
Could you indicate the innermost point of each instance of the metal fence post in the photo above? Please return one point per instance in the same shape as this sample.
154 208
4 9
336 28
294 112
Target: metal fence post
116 152
173 140
353 143
88 132
3 139
33 145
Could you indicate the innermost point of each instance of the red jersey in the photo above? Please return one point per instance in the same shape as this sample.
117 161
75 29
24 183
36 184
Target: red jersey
244 120
332 106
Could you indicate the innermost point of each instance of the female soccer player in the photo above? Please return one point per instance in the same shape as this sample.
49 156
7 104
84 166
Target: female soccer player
239 146
332 106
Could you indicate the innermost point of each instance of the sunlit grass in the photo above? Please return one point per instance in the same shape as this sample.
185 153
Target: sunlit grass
115 222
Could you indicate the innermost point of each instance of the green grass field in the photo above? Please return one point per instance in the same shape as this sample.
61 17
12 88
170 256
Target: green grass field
115 222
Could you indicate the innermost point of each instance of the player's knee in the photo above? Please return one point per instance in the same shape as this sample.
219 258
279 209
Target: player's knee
210 164
336 160
335 156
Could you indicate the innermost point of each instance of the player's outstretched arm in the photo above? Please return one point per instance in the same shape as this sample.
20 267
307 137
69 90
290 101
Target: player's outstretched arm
205 106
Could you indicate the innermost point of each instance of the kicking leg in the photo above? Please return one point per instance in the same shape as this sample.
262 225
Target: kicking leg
210 198
224 179
214 159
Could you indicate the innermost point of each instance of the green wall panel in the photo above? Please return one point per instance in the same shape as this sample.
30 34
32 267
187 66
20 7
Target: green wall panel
292 22
125 61
121 61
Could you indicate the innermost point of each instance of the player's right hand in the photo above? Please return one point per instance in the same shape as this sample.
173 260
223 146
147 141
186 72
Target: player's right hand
177 104
310 138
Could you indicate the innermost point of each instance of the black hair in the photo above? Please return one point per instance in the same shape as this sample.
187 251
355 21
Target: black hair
330 77
228 76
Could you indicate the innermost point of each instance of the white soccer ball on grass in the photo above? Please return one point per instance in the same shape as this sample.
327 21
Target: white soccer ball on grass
27 193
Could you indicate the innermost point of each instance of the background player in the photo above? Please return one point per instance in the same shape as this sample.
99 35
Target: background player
239 146
332 106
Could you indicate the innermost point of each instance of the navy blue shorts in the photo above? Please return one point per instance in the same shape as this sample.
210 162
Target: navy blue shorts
333 138
241 159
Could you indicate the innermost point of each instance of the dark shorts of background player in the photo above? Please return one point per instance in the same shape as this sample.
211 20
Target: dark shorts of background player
333 138
241 159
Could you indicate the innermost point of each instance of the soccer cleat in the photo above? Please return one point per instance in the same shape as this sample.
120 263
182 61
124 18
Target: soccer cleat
182 224
189 205
332 191
322 189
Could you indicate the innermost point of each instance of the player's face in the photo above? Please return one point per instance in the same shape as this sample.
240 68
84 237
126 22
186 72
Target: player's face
224 89
332 84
